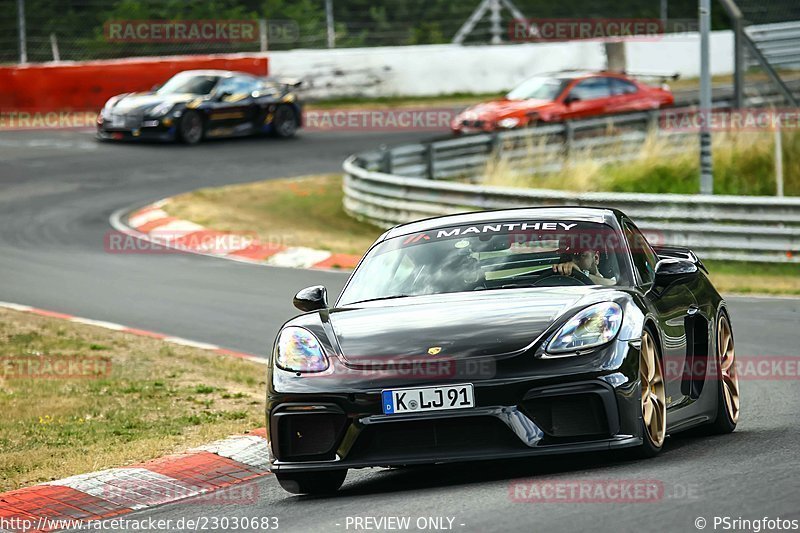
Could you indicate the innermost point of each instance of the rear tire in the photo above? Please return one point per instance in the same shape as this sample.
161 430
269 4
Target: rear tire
312 482
727 381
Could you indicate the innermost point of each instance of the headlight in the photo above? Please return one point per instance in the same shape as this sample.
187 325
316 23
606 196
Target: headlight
594 326
298 350
508 123
161 109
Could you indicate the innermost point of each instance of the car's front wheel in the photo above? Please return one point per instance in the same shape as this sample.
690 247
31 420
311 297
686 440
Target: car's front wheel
311 482
285 122
653 402
191 127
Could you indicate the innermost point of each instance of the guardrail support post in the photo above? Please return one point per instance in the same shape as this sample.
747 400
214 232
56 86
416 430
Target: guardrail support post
430 162
652 121
386 160
569 137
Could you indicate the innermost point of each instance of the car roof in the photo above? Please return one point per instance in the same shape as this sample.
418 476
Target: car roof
576 214
579 74
213 72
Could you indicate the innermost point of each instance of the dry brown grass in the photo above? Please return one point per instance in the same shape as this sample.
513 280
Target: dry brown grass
292 212
743 164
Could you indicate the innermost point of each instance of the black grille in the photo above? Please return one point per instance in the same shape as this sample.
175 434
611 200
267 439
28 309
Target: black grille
570 416
434 437
308 436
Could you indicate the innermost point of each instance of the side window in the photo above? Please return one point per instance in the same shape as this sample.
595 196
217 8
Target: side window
644 258
237 85
619 87
591 89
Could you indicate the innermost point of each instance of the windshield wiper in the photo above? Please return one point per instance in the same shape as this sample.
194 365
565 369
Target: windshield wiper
383 298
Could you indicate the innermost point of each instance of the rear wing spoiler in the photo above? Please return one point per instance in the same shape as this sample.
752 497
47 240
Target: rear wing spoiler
293 83
663 77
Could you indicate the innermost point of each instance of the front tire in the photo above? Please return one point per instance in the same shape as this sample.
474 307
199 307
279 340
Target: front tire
285 123
312 483
653 398
191 128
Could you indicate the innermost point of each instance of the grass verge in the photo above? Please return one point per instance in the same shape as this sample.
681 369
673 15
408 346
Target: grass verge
744 164
755 278
124 399
291 212
308 212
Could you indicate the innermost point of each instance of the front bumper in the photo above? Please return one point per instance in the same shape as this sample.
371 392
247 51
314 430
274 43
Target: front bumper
135 130
514 416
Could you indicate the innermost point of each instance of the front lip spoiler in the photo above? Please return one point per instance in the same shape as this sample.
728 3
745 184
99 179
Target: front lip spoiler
620 441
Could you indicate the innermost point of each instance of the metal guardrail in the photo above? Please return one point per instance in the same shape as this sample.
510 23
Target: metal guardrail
737 228
779 43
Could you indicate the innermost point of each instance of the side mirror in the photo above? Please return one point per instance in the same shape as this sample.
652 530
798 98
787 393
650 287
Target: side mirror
311 298
670 270
155 87
570 99
223 95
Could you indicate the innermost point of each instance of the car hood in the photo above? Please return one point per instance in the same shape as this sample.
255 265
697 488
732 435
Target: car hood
141 101
499 109
461 325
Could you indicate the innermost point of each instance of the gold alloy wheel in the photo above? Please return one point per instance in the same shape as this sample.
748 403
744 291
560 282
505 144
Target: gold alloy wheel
654 406
728 374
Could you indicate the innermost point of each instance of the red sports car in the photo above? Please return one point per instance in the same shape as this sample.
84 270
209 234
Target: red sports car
562 96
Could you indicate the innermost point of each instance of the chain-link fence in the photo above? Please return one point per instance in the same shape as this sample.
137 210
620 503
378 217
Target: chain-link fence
79 29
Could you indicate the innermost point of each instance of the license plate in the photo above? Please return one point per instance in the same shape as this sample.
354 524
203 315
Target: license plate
427 399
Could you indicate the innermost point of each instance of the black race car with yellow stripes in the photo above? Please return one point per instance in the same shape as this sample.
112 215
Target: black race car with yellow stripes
195 105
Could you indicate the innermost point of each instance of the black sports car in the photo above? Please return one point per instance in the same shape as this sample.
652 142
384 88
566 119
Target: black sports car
198 104
500 334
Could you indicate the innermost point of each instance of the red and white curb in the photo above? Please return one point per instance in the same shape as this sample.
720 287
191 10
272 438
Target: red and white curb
134 331
117 491
155 225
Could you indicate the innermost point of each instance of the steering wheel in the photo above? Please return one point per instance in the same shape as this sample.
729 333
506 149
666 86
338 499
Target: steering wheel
551 278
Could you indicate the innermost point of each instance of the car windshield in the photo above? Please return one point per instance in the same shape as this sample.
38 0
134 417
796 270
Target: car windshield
488 256
189 84
539 88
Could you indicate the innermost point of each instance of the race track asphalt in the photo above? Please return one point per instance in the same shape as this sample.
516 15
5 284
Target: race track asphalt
57 192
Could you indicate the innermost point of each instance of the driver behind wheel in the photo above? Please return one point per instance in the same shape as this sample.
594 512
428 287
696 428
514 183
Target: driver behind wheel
586 262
